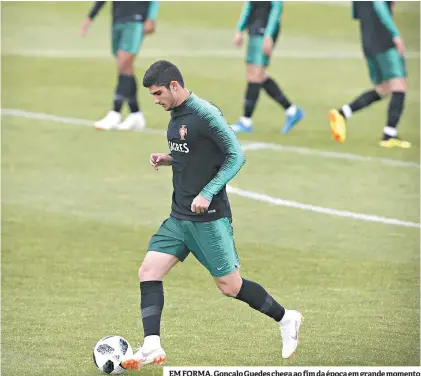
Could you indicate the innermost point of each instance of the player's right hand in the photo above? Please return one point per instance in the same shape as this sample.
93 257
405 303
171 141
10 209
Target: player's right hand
238 39
400 46
85 26
160 159
149 27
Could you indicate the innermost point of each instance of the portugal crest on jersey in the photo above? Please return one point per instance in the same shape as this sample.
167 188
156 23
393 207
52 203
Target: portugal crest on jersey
183 132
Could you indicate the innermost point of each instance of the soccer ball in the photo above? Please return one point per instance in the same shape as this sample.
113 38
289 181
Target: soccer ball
107 354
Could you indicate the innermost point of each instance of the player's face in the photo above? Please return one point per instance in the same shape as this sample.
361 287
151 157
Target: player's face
163 96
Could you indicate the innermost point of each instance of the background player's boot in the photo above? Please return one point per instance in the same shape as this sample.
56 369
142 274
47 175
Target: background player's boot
111 121
244 125
337 126
292 119
133 122
395 142
289 326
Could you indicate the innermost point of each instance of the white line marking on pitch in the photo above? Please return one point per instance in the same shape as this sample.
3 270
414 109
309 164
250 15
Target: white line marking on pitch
318 209
327 154
240 192
247 145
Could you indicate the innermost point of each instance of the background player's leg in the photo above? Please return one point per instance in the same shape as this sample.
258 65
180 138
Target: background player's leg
275 92
255 77
337 118
367 98
293 113
259 299
398 88
130 45
364 100
113 118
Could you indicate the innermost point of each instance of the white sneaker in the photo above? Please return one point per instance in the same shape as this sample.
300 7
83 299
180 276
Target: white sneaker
134 361
150 352
156 356
133 122
290 325
110 121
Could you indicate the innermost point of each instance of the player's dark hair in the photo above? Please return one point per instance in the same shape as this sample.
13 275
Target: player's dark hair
161 73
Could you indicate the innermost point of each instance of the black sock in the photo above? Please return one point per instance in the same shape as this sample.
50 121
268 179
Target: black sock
122 91
275 92
151 305
252 95
394 112
132 97
258 298
364 100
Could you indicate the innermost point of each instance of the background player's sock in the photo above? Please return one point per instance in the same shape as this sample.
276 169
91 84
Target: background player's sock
252 95
258 298
132 97
151 305
364 100
275 92
119 96
396 106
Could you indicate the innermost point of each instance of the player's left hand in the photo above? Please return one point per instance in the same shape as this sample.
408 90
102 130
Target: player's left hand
400 45
85 26
149 27
200 204
267 46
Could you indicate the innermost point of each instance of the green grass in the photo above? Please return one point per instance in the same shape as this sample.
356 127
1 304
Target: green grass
79 206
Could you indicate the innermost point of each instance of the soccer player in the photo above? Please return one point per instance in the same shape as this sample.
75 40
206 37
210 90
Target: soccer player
131 21
384 50
262 20
205 155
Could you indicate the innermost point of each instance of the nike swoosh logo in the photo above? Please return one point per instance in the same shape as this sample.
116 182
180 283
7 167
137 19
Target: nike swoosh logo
219 268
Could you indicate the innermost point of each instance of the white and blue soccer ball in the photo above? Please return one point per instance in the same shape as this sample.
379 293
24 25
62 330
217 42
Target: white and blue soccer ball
108 352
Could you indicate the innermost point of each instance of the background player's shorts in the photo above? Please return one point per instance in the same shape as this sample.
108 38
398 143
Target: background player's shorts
254 51
212 243
127 36
386 65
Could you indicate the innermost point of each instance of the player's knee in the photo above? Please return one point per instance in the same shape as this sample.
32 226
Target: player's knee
398 85
255 78
255 74
383 89
228 290
125 63
148 272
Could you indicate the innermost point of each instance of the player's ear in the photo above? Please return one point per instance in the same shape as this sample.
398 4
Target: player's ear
174 85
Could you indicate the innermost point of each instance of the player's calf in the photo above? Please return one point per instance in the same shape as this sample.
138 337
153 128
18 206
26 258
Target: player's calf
289 321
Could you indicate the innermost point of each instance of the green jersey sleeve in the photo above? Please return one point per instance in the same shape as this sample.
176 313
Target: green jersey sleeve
274 18
242 22
153 10
215 127
383 12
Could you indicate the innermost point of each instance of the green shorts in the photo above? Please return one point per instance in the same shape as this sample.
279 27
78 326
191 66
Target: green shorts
127 37
386 65
212 243
255 54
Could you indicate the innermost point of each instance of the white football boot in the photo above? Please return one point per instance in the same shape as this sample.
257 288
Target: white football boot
133 122
289 326
150 352
111 121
